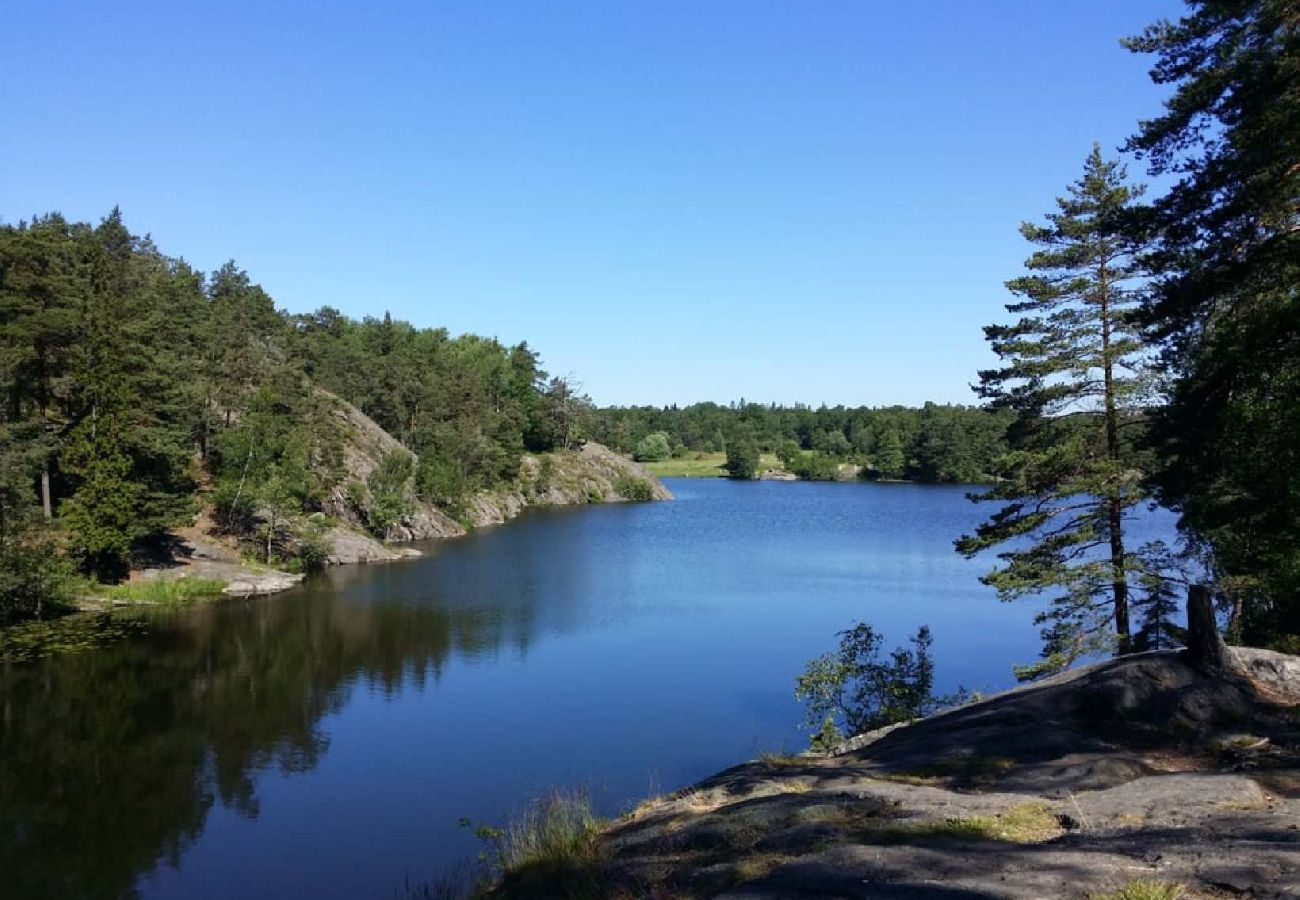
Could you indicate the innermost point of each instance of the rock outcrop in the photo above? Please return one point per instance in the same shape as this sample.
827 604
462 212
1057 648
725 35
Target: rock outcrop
591 474
1140 769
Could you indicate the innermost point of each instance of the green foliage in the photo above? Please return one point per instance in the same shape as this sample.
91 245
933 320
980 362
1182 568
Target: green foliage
813 466
551 850
742 457
889 459
441 481
853 690
1075 375
120 365
1144 889
163 591
389 501
652 448
630 487
314 546
1225 304
932 443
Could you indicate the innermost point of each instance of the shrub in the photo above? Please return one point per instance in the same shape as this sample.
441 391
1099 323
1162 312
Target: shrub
388 499
34 578
853 690
551 850
441 480
742 458
652 448
630 487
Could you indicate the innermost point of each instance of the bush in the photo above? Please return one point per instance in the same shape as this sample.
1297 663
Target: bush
652 448
551 850
853 690
441 481
34 578
314 547
630 487
388 499
742 458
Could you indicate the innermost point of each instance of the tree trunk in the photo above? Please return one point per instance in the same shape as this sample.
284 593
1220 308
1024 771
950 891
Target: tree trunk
1205 646
46 504
1115 506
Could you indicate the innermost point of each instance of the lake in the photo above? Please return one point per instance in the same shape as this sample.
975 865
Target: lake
325 742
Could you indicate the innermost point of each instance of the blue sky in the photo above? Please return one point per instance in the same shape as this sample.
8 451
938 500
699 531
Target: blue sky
672 201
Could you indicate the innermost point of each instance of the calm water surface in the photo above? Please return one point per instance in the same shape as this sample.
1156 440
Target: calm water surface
325 742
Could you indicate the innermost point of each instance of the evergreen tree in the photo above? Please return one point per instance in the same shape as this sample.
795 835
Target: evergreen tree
889 459
128 469
1227 300
742 456
42 287
1074 375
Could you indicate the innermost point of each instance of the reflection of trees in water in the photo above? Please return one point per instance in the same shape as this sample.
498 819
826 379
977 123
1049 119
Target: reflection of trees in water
111 759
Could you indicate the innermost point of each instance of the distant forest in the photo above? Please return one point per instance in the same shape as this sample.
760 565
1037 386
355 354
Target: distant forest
933 443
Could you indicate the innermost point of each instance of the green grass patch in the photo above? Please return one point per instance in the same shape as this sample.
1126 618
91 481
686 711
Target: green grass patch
778 760
552 850
162 591
1145 890
971 771
703 465
1028 823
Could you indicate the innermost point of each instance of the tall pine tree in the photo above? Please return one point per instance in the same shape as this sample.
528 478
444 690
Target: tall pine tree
1227 299
1075 376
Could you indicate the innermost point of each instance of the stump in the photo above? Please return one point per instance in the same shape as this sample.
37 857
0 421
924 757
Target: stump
1205 646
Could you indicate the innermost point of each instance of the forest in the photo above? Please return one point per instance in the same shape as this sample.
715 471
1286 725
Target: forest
138 389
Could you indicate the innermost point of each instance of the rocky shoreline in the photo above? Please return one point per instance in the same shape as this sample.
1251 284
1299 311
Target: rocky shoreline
591 474
1140 777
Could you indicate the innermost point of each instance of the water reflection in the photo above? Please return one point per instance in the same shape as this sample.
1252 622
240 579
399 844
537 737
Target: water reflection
110 760
325 741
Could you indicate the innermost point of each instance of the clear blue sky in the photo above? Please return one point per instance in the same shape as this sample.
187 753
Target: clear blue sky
794 201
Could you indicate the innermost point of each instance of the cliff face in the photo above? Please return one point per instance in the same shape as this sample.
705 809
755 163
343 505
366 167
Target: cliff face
592 474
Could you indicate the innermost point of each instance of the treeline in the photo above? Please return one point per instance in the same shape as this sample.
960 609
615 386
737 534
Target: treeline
933 443
132 381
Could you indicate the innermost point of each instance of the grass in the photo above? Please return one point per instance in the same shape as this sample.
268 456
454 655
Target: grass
551 850
1027 823
1145 890
974 771
703 465
162 591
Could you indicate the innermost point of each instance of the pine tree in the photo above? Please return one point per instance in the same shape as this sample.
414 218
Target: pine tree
1227 300
889 459
123 456
41 290
1074 375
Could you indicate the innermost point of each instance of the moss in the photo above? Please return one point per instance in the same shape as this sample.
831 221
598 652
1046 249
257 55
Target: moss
1145 890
